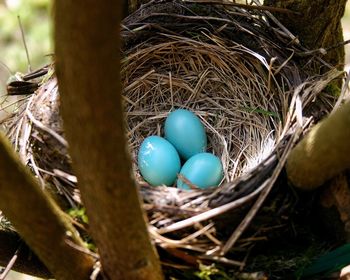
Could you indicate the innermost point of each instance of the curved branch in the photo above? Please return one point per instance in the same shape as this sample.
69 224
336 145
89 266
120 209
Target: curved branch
87 66
323 153
38 219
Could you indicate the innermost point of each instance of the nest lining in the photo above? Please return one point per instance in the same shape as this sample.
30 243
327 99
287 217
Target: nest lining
227 65
239 111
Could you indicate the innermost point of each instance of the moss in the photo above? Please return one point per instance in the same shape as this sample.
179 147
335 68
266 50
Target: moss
333 89
204 272
79 214
210 272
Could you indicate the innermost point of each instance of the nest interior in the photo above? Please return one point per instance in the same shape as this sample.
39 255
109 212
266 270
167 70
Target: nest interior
238 71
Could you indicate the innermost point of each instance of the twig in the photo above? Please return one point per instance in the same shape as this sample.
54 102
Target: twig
6 67
36 171
294 39
10 264
279 24
173 243
210 236
82 249
174 265
211 213
222 260
340 44
193 17
257 205
65 175
36 74
189 259
24 43
14 103
343 96
187 182
244 6
96 272
58 137
322 51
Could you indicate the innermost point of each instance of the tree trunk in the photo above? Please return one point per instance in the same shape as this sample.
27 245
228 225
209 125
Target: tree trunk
87 66
38 219
318 25
323 153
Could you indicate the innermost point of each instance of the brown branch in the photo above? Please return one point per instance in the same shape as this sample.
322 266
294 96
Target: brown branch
323 51
323 153
38 219
337 45
88 77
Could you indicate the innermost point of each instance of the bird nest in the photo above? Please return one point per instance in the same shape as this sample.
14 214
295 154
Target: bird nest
238 69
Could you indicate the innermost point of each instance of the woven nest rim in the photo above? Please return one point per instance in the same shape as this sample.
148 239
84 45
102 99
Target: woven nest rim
280 111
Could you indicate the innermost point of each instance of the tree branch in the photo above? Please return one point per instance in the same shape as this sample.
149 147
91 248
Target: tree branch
38 219
87 67
323 153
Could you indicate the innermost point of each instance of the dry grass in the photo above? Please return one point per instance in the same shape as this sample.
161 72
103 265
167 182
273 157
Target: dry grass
223 85
233 68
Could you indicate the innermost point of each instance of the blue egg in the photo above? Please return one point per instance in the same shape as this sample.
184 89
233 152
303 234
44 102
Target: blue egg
185 131
203 170
158 161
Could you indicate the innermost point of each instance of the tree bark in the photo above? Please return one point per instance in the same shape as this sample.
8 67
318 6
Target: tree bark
318 25
88 67
323 153
38 219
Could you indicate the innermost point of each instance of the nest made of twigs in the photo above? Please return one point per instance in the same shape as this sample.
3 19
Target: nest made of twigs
237 71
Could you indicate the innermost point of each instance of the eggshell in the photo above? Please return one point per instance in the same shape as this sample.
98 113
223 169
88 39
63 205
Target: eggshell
185 131
158 161
203 170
